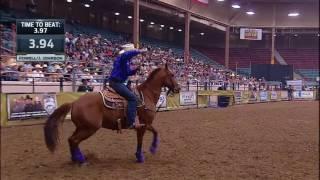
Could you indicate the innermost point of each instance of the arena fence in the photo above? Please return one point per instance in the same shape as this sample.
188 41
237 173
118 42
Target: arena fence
23 107
34 85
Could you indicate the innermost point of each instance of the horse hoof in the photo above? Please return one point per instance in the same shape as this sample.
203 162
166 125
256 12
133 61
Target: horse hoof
140 158
78 160
153 150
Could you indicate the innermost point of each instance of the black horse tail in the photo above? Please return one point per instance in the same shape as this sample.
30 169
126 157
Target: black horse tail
51 131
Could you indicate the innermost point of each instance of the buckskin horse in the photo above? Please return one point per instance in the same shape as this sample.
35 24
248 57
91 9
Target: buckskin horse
88 113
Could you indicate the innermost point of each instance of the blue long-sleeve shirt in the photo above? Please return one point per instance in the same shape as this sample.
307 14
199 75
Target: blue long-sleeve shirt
121 66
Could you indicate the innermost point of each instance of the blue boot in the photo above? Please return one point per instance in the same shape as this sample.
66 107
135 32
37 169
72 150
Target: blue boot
77 156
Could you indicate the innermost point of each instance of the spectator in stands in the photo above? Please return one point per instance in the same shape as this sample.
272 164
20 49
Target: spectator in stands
84 87
37 73
86 75
68 73
57 75
11 73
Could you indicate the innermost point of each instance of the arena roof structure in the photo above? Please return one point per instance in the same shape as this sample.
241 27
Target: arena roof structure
267 13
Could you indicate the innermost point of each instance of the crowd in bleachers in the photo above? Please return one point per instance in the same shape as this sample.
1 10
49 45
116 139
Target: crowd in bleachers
91 57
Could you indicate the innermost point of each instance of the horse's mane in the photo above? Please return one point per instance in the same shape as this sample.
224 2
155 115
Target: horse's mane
152 74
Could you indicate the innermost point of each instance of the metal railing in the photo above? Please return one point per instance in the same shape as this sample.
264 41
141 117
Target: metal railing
14 81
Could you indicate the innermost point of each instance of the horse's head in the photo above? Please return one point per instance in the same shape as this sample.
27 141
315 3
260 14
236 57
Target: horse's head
169 81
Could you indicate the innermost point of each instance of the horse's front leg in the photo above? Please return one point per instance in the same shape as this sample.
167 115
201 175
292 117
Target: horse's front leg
155 141
139 153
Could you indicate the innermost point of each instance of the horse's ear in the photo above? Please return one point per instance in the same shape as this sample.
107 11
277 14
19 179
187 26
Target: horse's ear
166 66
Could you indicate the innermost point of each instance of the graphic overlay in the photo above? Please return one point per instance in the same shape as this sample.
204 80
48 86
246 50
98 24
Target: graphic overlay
40 40
25 106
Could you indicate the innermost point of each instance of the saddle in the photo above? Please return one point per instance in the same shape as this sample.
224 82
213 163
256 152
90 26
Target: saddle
112 100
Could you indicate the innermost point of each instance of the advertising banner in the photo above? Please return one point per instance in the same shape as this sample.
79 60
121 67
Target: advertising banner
263 96
213 101
273 95
250 34
162 102
303 95
188 98
26 106
307 94
284 95
296 84
297 95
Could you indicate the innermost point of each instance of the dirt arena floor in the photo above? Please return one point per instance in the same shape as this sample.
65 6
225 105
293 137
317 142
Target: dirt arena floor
262 141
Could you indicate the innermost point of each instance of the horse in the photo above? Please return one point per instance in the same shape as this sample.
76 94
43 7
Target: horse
88 114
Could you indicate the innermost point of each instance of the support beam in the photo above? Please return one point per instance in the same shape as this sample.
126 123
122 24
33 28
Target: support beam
136 23
227 46
273 44
187 38
51 8
273 35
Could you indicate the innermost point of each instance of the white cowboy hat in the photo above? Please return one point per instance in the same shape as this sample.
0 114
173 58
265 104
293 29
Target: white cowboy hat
127 47
57 67
13 64
38 66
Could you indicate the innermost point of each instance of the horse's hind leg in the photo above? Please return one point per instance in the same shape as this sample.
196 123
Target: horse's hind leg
155 141
79 135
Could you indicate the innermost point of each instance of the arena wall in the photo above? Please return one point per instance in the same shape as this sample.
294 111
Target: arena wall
183 100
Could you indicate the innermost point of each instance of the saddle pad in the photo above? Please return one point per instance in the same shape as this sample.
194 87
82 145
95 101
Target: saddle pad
111 94
113 100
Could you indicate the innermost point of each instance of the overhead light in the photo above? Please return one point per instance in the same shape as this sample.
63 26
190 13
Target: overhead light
91 0
295 35
141 20
220 0
162 25
293 14
179 30
151 22
274 35
318 35
116 13
130 17
236 6
250 12
87 5
202 34
171 28
69 1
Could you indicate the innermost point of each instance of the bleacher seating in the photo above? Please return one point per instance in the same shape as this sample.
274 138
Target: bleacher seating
301 58
240 57
309 74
